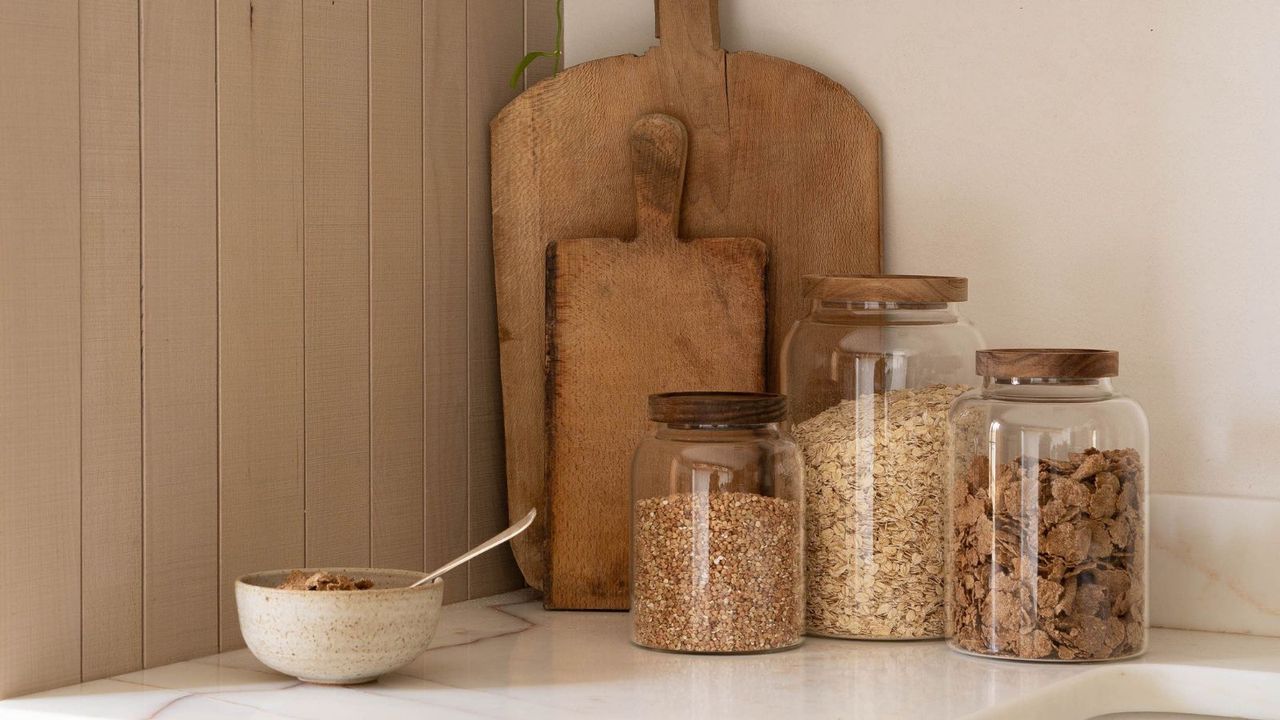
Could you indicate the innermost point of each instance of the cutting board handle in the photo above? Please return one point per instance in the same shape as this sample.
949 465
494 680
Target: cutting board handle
658 148
691 24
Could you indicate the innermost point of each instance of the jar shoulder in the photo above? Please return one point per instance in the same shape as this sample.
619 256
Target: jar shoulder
979 398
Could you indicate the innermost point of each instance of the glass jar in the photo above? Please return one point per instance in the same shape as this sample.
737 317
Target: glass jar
717 535
870 373
1047 533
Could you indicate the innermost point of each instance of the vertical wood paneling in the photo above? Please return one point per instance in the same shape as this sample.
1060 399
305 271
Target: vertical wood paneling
111 339
260 293
494 45
336 145
179 330
396 309
246 298
39 346
444 201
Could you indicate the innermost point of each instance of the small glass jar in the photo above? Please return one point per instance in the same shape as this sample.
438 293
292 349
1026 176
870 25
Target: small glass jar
717 535
870 373
1047 530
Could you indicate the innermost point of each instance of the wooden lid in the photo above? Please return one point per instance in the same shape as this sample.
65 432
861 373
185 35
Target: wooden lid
886 288
717 408
1048 363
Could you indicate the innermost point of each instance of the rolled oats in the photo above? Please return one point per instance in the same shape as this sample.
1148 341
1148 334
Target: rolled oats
874 489
717 572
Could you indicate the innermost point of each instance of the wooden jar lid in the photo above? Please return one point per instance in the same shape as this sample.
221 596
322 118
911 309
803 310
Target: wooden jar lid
717 408
1048 363
886 288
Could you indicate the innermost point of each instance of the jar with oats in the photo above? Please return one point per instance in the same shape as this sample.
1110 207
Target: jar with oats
1047 535
717 533
870 373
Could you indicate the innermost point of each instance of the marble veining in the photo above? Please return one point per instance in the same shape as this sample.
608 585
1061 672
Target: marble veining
506 657
1214 564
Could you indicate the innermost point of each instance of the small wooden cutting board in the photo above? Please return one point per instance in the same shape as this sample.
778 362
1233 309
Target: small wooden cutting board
777 152
627 318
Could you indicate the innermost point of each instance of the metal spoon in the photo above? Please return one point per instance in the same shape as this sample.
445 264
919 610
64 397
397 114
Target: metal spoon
484 547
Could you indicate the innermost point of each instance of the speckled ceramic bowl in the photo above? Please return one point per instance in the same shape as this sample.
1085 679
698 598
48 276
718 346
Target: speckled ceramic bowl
340 637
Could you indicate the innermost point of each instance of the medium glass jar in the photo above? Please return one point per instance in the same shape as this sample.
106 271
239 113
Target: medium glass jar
717 535
870 373
1047 532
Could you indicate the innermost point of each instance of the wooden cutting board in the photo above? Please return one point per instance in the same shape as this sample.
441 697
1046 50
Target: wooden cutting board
777 152
628 318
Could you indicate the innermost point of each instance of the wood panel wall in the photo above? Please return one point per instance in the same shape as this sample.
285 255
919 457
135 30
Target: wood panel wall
246 309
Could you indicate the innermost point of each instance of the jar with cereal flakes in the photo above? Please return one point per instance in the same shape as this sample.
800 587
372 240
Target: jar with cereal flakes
717 534
1047 530
870 373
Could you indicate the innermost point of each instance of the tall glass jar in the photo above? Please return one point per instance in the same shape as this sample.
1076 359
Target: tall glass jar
1047 549
871 371
717 535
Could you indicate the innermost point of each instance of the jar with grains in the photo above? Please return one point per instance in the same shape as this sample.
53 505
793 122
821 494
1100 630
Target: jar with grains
1047 531
717 535
870 373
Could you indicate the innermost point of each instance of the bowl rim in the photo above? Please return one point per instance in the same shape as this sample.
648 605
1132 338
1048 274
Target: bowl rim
415 575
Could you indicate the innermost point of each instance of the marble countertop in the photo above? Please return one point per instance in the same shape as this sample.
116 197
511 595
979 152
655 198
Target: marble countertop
506 657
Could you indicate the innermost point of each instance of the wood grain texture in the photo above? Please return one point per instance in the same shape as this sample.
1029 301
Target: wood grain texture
886 288
691 407
260 335
111 339
444 208
1048 363
518 216
40 352
180 331
396 270
777 152
629 318
336 142
494 46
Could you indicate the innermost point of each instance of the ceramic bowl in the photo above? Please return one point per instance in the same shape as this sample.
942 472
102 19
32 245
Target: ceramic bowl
338 637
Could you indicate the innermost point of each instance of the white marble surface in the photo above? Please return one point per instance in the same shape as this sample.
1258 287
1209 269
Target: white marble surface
505 657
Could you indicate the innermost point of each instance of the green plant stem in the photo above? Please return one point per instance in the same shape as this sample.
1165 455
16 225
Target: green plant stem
559 36
557 55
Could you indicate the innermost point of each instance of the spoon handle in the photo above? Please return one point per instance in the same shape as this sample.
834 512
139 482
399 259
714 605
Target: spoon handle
484 547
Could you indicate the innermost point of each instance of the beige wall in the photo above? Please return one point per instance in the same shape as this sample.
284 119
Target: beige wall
1106 174
246 309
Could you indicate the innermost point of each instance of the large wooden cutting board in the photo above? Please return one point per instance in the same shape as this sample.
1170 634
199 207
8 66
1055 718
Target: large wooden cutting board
777 152
627 318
